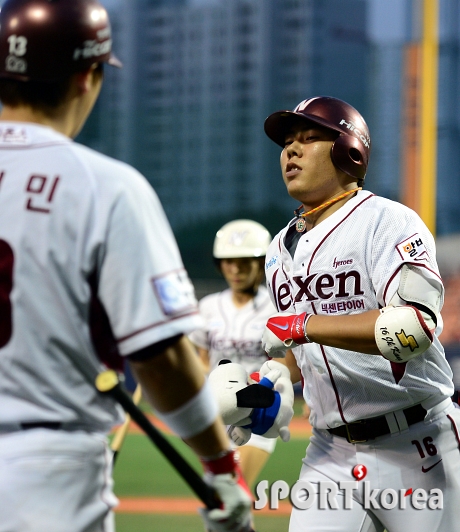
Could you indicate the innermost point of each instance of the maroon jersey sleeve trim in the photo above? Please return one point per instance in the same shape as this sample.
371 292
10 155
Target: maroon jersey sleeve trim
156 324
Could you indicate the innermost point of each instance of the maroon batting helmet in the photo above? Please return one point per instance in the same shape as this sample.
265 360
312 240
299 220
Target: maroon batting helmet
47 40
350 151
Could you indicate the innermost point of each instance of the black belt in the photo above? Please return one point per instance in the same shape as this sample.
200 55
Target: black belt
369 429
52 425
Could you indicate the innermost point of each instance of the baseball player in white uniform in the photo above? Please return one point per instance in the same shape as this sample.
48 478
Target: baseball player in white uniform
355 280
90 276
233 332
234 319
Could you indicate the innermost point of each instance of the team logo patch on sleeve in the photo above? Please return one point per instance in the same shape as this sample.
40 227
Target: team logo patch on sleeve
413 248
271 262
175 293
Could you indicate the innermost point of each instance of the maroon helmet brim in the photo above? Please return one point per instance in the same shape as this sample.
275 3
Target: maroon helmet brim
114 61
279 124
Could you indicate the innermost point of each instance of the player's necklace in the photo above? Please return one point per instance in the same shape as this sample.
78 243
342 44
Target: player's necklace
301 224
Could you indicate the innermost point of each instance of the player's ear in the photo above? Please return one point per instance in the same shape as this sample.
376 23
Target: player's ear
85 79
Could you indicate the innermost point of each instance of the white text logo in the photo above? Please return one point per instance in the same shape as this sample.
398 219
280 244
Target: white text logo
330 495
92 49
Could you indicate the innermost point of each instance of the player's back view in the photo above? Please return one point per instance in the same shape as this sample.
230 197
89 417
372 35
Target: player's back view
90 276
65 211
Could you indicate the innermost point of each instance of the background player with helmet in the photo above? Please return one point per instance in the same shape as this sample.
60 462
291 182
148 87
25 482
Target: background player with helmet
355 280
72 300
234 319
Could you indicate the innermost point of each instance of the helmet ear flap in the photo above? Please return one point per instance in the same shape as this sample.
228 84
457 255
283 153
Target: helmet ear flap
348 155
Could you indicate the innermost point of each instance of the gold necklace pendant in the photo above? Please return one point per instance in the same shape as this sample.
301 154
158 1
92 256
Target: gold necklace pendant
301 225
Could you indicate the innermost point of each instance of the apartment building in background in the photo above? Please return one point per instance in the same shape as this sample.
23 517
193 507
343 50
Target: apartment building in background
200 76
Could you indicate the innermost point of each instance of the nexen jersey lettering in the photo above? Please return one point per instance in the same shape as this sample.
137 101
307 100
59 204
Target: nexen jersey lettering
348 264
318 286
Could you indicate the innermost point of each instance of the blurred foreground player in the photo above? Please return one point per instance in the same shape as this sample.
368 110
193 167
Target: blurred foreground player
355 280
89 274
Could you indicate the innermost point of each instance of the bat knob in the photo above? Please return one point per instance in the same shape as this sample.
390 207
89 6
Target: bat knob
107 380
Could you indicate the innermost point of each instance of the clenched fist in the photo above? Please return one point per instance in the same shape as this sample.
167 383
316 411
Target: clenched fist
283 332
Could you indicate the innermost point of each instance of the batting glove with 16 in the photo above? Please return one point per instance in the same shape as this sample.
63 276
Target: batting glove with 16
224 475
284 331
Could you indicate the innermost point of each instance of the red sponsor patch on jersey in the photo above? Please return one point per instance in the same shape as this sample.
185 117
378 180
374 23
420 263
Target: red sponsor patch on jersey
359 471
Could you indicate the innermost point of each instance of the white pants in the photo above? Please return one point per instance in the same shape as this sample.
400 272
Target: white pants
393 462
55 481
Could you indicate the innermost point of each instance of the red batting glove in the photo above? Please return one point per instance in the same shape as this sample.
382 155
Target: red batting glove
284 331
224 475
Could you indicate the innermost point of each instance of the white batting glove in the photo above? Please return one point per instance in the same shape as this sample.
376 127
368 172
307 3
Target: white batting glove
280 376
224 475
239 435
284 331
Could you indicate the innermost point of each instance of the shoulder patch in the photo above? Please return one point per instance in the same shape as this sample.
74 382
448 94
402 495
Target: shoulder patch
175 293
412 248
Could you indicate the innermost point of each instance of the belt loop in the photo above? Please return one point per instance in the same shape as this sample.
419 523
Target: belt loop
392 423
402 421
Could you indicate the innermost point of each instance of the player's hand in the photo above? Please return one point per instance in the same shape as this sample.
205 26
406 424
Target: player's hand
280 376
239 435
284 331
224 475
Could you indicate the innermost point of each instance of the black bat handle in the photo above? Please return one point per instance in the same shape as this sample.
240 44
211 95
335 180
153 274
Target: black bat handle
204 492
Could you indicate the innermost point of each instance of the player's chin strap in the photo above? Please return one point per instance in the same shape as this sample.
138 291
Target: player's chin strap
405 328
301 224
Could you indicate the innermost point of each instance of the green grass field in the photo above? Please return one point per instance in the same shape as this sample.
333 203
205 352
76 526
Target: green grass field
142 471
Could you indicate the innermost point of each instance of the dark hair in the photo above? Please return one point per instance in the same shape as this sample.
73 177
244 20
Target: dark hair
44 96
39 95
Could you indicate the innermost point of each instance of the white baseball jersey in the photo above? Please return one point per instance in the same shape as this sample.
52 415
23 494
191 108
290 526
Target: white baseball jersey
234 333
89 272
348 264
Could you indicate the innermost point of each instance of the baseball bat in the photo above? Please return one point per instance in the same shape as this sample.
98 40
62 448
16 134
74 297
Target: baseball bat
121 432
108 383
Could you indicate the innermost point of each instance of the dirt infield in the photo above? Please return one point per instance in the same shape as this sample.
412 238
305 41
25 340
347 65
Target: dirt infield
300 429
176 505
